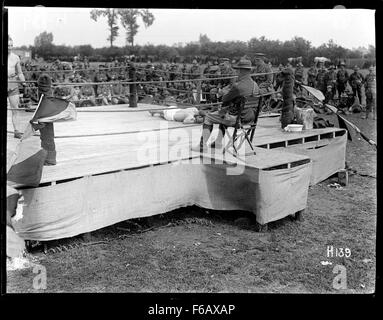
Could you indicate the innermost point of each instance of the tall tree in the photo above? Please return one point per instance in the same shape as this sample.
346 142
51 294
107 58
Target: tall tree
203 39
43 44
112 17
129 21
44 39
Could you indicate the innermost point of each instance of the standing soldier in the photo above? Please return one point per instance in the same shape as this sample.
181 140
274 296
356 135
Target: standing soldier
264 81
312 75
330 83
226 71
341 79
298 74
171 71
370 90
356 81
279 77
320 81
195 70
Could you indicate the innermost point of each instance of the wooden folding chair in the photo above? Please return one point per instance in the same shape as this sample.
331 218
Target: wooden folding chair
242 131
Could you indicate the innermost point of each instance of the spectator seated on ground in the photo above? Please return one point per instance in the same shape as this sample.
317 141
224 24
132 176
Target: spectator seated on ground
76 95
187 115
87 95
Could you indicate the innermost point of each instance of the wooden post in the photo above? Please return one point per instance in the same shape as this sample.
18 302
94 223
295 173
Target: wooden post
132 87
343 177
199 85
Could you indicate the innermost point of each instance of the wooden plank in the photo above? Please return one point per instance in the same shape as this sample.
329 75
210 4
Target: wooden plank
278 136
263 158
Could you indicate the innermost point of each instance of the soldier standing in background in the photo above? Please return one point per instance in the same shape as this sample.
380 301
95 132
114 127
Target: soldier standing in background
356 81
264 82
370 90
341 79
330 84
311 75
320 83
279 77
298 74
195 70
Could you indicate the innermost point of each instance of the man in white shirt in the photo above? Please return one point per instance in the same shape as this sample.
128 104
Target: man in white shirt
14 73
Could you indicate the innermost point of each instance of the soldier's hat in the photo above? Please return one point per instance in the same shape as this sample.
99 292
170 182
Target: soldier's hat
356 67
44 82
259 55
195 61
225 59
243 64
331 66
342 63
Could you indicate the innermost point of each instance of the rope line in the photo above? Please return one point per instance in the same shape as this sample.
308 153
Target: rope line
164 108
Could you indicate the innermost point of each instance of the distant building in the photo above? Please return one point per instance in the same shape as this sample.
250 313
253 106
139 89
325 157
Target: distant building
25 55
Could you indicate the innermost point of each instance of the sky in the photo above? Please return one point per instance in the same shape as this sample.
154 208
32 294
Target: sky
350 28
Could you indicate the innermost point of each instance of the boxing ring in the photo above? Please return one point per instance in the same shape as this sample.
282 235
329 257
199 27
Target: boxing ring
115 164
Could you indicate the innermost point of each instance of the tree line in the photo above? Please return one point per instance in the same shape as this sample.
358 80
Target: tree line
204 49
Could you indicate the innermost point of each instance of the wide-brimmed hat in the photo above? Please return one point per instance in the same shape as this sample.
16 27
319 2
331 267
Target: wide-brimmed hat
342 63
44 82
259 55
243 64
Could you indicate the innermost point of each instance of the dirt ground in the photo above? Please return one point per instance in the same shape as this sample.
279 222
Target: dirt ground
194 250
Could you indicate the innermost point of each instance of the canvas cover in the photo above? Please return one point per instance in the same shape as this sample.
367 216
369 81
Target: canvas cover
102 200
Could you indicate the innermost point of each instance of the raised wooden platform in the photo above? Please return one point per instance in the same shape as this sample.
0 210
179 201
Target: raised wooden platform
106 142
113 166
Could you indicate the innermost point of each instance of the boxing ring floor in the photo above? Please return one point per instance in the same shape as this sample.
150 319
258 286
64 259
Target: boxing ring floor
113 166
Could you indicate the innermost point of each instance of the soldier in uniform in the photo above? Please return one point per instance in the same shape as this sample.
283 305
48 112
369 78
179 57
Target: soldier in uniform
66 92
279 78
245 86
298 75
195 70
87 94
341 79
299 72
311 75
103 92
330 83
226 71
370 91
356 81
173 69
320 82
264 82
